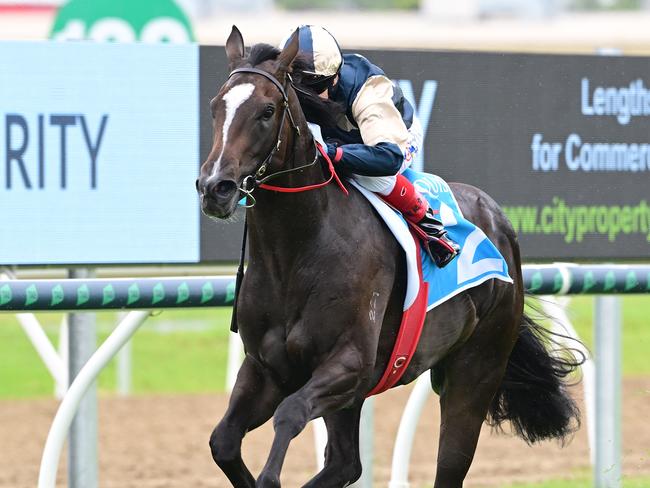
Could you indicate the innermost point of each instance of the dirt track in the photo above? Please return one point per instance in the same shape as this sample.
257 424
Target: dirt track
161 442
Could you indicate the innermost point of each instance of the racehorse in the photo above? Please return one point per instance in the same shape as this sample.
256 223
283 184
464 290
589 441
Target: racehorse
321 300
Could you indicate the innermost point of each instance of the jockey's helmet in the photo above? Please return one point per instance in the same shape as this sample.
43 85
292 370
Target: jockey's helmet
321 53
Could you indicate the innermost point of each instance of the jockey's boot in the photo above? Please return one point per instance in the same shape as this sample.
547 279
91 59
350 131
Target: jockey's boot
441 248
414 207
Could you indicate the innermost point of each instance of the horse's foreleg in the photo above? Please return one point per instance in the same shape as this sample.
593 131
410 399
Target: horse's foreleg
342 461
472 377
331 387
252 403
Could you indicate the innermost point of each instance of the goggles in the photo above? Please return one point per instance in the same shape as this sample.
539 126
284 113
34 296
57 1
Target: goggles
318 83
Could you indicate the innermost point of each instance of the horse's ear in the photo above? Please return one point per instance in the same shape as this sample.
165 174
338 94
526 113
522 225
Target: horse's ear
289 52
235 46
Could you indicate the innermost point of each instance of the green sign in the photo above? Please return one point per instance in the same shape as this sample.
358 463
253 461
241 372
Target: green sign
122 21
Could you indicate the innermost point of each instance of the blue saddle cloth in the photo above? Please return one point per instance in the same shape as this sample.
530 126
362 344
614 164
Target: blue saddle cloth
478 261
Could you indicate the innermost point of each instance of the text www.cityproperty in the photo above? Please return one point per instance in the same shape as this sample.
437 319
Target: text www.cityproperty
576 221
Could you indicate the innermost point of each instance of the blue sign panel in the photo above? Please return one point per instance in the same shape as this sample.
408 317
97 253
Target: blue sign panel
98 153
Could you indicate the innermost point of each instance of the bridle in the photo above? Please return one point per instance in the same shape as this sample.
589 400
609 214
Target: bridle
258 180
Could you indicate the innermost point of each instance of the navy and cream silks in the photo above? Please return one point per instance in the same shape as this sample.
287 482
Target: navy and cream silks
374 133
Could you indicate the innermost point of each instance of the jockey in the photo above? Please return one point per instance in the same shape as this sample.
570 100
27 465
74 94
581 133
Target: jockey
377 137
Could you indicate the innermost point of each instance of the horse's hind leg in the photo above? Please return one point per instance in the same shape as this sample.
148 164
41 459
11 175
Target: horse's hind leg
252 403
472 376
342 461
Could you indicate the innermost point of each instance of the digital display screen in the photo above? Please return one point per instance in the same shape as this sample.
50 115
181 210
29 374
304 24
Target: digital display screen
562 143
98 153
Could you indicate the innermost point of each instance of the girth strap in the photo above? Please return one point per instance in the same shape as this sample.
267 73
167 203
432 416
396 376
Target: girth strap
408 336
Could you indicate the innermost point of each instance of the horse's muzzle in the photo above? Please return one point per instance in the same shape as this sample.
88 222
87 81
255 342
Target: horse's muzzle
218 197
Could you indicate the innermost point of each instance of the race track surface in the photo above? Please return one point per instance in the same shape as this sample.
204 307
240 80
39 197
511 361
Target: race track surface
162 442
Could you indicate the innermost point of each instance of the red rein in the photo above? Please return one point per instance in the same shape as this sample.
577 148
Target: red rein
333 176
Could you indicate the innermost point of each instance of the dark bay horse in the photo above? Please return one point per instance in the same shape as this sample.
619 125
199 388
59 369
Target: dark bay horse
321 300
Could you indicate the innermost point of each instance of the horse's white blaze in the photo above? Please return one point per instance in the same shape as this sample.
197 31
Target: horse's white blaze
234 97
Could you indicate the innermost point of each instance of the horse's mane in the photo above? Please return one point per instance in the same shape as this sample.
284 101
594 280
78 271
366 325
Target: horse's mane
261 52
321 111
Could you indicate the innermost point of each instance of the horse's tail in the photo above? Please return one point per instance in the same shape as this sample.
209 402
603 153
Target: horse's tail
533 395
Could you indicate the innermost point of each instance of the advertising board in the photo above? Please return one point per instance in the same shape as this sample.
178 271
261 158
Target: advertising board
561 142
96 140
122 21
100 146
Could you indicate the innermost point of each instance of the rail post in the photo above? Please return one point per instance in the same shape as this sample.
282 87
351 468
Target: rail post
406 432
82 445
366 444
607 338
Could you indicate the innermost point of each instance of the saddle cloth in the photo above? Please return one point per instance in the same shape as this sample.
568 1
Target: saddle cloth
478 261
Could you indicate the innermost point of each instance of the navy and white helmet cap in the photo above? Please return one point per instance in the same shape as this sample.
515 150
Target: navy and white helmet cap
320 50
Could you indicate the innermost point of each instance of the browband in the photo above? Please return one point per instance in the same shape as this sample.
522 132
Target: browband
268 76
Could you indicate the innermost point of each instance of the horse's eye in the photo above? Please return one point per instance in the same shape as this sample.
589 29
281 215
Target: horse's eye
268 113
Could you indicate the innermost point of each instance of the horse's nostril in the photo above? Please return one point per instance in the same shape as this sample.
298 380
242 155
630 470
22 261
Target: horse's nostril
219 190
225 188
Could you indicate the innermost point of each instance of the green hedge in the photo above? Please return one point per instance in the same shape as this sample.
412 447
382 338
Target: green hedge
598 5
